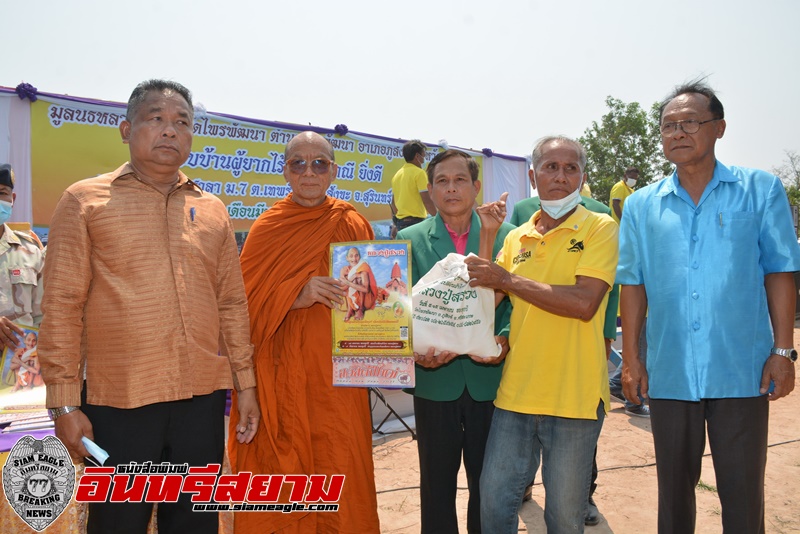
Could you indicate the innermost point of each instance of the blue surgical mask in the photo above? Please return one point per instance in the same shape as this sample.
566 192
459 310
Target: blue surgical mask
5 211
558 208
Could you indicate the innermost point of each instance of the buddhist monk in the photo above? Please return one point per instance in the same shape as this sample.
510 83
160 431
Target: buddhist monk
308 426
362 289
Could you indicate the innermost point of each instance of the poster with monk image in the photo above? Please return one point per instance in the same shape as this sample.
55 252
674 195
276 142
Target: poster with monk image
22 389
372 327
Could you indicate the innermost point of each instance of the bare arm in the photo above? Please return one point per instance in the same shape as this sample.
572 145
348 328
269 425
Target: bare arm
579 301
492 215
616 205
16 360
781 300
358 283
31 367
426 200
633 307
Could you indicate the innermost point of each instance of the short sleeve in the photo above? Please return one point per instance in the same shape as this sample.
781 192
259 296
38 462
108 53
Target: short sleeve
422 181
504 253
599 258
629 268
777 241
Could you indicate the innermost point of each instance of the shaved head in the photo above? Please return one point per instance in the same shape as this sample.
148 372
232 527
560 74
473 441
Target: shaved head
311 138
309 181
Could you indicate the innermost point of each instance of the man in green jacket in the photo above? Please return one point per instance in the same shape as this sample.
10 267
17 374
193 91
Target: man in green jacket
454 394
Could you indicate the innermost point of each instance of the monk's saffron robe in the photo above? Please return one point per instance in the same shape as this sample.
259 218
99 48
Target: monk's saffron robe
307 426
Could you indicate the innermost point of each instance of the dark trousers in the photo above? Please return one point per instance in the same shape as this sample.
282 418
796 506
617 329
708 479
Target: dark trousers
445 430
405 222
737 434
188 431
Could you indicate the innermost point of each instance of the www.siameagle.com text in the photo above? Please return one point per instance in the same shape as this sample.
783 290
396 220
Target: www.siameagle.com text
247 507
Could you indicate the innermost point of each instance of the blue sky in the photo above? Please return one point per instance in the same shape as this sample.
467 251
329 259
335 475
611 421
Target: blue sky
478 74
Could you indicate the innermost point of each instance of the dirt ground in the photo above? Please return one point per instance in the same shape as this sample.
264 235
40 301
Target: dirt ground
627 494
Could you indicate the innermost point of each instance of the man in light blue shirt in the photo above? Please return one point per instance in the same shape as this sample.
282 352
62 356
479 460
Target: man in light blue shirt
711 252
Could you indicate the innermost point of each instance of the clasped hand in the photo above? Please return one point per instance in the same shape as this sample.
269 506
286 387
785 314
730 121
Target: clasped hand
431 360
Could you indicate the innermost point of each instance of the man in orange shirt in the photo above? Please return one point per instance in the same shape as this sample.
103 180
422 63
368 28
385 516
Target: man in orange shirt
143 264
309 426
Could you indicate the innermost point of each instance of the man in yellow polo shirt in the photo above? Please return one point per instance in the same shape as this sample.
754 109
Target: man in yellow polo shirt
558 269
411 202
622 190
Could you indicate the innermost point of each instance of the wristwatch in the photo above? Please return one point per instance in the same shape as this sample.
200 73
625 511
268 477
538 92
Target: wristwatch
786 353
55 413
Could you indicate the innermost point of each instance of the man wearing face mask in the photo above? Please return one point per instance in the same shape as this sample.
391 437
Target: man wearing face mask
622 190
523 211
557 268
21 263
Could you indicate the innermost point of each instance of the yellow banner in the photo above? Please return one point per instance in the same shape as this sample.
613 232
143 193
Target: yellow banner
239 161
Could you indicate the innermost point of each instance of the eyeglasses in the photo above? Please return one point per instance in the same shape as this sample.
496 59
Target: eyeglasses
689 126
318 166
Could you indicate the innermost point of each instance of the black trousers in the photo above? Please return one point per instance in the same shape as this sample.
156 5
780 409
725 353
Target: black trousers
445 431
405 222
737 434
186 431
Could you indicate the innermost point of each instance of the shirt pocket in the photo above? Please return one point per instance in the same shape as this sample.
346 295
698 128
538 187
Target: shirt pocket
737 224
22 275
739 242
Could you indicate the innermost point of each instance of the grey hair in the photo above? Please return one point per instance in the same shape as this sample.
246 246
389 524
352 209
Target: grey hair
536 155
139 94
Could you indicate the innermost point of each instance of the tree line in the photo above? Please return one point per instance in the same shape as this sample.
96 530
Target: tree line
629 136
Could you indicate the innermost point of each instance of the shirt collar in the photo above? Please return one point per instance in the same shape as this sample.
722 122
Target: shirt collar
721 174
573 222
127 170
454 235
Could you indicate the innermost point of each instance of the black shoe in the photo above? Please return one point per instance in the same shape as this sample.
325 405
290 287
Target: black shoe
616 394
592 513
638 410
